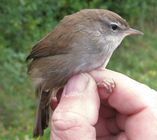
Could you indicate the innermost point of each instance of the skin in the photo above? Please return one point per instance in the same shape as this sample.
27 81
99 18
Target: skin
87 113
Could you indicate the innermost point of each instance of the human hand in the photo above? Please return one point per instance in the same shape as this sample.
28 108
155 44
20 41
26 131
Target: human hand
129 113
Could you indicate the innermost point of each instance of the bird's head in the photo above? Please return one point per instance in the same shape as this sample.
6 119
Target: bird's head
109 26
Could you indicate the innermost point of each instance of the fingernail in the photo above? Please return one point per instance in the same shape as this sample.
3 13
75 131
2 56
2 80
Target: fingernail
76 84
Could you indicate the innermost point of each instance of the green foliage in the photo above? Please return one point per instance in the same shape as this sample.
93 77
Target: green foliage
24 22
137 59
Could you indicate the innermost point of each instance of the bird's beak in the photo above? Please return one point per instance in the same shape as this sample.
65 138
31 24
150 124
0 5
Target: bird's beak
132 31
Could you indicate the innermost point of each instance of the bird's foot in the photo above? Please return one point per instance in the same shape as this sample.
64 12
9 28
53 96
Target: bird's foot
107 84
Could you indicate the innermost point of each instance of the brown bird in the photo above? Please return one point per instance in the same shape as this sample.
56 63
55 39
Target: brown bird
81 42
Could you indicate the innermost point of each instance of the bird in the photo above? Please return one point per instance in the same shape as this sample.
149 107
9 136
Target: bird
81 42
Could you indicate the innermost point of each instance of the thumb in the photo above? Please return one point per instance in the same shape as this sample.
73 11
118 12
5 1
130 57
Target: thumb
78 107
80 96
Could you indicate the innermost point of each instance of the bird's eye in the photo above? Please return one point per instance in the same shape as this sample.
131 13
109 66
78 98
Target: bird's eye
114 27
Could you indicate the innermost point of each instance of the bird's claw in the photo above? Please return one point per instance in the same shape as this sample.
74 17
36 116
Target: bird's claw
108 84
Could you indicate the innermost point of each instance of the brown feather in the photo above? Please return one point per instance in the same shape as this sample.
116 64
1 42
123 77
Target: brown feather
42 119
60 39
71 48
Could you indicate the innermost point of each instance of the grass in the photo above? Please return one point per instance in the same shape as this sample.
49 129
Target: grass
136 58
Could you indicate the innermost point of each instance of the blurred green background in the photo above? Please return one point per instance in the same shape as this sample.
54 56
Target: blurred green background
24 22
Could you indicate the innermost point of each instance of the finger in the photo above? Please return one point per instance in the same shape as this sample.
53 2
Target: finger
112 127
120 136
121 120
129 95
55 100
59 93
106 123
54 103
107 111
80 95
101 129
105 127
78 109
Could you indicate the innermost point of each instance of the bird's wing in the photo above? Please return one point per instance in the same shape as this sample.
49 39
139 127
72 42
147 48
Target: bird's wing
54 43
58 41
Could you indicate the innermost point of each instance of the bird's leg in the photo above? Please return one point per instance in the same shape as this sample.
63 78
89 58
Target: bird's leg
107 84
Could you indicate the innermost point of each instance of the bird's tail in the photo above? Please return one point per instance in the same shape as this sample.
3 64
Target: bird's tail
43 113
